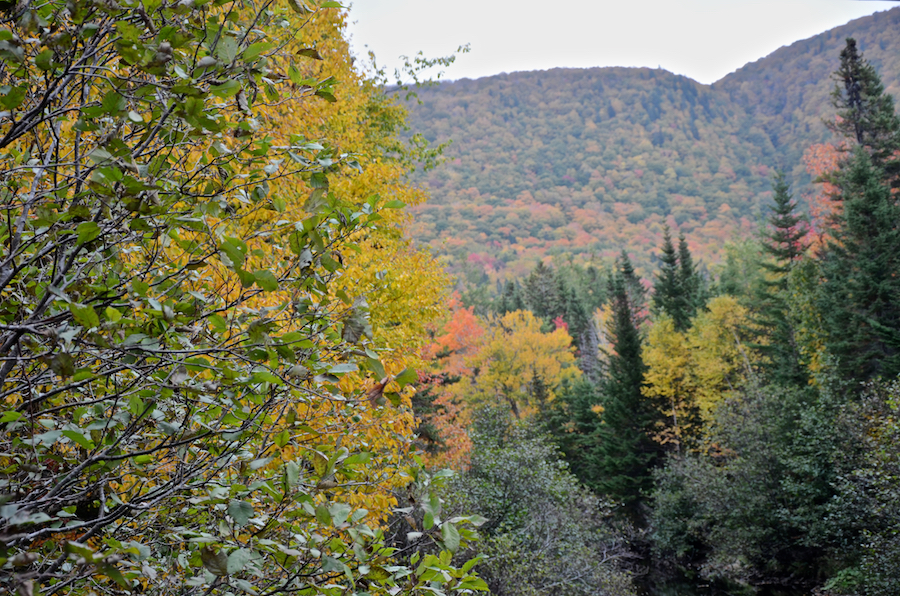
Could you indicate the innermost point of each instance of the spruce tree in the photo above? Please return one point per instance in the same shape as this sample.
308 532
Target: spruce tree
634 287
865 112
541 293
626 452
669 295
573 421
691 281
594 291
783 244
510 299
859 295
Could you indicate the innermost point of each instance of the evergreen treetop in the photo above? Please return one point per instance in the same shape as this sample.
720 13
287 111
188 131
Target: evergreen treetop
865 112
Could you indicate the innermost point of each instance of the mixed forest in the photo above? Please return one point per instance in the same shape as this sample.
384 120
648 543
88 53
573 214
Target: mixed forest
581 163
738 429
228 365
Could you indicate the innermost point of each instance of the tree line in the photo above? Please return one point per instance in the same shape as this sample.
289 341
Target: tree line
741 425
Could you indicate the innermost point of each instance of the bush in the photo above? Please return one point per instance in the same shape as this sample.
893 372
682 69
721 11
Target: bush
545 533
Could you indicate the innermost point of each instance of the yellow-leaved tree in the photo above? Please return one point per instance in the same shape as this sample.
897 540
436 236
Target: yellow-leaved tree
670 382
690 373
519 365
719 362
209 317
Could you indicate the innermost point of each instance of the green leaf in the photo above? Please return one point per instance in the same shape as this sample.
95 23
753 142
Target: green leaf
10 416
79 438
240 512
292 472
235 250
323 516
343 368
339 513
295 76
44 60
226 89
358 458
113 102
450 536
262 376
309 53
407 376
376 367
326 95
87 231
378 573
62 364
265 280
320 464
357 325
394 205
112 314
255 50
246 277
13 98
113 573
84 315
238 560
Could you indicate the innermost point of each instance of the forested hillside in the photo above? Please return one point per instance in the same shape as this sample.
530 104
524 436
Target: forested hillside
788 91
739 428
585 162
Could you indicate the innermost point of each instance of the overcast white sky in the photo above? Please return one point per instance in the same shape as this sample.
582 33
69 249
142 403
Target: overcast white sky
703 39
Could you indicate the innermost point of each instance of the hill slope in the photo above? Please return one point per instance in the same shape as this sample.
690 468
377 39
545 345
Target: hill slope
788 91
585 162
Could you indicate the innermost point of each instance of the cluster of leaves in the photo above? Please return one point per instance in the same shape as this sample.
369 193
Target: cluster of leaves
195 372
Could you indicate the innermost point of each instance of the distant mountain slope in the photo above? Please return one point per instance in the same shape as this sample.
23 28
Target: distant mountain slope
788 91
585 162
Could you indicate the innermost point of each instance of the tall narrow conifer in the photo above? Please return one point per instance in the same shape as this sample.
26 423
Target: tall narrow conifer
692 282
784 246
670 296
626 451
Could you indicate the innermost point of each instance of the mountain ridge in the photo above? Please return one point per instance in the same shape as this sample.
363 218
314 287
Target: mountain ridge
580 163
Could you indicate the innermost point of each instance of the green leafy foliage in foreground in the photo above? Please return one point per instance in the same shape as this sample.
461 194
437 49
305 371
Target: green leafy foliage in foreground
176 352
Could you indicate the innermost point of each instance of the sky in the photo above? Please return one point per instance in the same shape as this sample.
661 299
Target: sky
701 39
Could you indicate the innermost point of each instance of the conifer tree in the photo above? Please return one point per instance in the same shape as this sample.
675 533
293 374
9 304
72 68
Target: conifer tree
573 420
783 244
691 281
626 452
594 291
541 293
510 299
668 290
865 112
860 266
634 288
860 273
